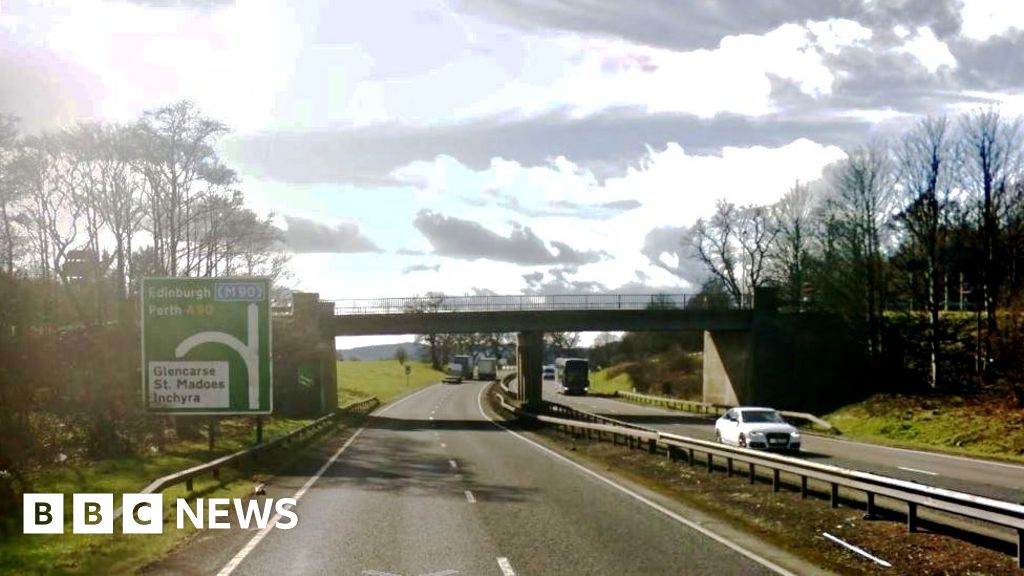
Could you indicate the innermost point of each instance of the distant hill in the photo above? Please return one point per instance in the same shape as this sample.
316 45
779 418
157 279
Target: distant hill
413 350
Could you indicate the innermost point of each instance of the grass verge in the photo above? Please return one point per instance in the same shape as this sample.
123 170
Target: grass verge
384 379
601 382
118 553
984 425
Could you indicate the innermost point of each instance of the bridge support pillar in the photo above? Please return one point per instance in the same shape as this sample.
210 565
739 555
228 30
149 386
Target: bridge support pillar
738 364
304 344
530 359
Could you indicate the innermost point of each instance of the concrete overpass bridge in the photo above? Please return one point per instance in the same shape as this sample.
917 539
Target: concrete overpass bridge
730 334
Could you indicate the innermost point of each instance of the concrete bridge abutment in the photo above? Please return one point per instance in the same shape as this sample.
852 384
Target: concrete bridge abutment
530 367
734 360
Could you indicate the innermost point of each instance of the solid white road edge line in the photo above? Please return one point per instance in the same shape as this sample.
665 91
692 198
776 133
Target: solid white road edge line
251 545
684 521
506 567
857 550
919 471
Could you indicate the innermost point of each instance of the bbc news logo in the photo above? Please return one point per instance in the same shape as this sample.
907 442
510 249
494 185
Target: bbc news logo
144 513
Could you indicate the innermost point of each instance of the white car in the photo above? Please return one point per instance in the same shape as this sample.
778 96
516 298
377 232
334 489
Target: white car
753 427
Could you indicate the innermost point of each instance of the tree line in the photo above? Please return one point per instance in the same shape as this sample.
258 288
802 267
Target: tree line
95 207
87 211
922 231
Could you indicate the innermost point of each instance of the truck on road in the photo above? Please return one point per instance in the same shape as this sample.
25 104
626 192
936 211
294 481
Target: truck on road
487 369
572 375
466 362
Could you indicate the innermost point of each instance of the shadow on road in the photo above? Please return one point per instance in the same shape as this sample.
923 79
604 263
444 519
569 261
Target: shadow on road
398 463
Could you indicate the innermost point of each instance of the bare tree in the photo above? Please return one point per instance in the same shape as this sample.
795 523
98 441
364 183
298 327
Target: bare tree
438 345
10 192
859 211
926 171
715 246
790 262
734 246
180 163
50 175
111 193
992 158
562 343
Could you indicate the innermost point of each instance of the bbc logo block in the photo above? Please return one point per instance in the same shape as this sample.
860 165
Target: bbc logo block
144 513
43 513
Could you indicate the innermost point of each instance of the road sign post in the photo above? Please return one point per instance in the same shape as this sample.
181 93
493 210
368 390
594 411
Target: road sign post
206 346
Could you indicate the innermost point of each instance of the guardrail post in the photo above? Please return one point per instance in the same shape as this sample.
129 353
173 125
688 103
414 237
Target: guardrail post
1020 547
834 495
869 507
652 446
711 462
728 467
671 453
689 457
775 480
803 487
750 473
911 516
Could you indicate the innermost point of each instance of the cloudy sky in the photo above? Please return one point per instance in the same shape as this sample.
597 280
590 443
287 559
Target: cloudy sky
513 145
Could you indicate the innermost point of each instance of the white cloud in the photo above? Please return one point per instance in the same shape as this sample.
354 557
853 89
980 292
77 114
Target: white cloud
983 19
234 59
674 188
931 52
731 78
834 35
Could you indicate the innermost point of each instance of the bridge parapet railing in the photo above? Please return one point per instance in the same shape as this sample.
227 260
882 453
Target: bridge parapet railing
523 302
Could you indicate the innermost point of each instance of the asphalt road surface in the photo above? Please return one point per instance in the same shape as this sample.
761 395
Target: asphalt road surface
431 486
981 477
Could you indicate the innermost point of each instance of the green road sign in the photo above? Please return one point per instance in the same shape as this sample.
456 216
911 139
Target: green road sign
206 345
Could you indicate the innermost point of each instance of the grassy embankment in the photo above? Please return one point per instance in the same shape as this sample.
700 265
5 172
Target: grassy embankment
984 425
609 380
117 553
384 379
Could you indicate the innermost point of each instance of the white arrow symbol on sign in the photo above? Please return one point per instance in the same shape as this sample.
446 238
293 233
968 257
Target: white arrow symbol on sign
250 352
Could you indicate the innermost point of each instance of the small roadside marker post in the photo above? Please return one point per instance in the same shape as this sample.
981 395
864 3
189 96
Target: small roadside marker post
211 427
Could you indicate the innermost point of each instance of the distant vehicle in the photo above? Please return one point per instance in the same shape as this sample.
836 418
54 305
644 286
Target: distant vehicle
466 362
487 369
549 373
453 374
753 427
573 374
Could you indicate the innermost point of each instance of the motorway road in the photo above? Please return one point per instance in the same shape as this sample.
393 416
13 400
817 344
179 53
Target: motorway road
432 487
985 478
